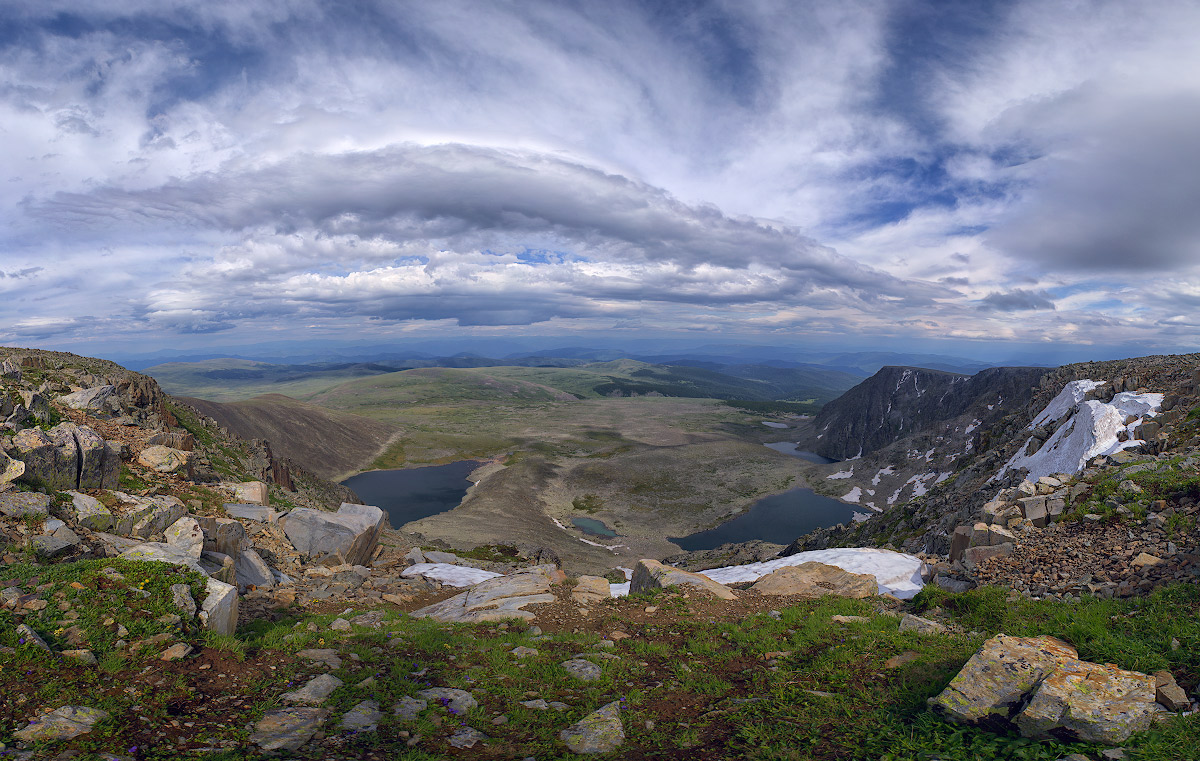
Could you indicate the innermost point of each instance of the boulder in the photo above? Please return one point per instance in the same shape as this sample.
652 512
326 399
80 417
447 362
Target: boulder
314 692
90 513
817 580
651 574
1040 685
251 493
162 553
348 536
10 469
68 457
219 566
455 700
251 569
52 546
494 599
166 460
219 611
19 504
590 590
185 535
973 556
363 717
153 518
224 535
95 401
598 732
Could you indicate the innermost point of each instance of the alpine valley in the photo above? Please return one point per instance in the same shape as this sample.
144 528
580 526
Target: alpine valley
188 572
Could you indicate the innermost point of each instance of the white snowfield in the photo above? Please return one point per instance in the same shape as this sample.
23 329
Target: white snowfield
897 573
1091 431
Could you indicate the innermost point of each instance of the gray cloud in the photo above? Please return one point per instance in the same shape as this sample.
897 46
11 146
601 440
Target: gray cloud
1017 300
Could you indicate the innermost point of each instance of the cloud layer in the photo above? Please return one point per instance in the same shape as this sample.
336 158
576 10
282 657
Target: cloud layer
1023 172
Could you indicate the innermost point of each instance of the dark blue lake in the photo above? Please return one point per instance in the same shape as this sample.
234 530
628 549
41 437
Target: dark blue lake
414 493
779 518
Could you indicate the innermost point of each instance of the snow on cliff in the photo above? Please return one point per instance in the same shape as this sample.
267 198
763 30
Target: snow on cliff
1093 428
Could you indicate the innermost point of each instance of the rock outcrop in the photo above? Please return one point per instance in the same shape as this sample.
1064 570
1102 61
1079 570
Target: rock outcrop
495 599
1039 685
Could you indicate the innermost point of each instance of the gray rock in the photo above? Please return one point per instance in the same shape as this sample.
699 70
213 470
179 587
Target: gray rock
67 457
455 700
973 556
363 717
224 535
251 493
315 691
537 705
185 535
584 671
219 566
949 584
495 599
93 400
176 652
163 553
524 652
20 504
181 597
348 536
90 513
414 556
598 732
467 737
651 574
409 708
62 724
253 570
51 546
288 728
219 611
155 516
10 469
433 556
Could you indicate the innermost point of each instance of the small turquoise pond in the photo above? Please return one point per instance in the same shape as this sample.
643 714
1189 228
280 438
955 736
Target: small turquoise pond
593 527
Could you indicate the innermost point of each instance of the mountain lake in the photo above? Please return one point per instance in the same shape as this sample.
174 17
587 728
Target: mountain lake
414 493
779 518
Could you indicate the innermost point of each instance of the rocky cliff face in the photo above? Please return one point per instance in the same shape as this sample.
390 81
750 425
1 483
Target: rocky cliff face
926 521
902 401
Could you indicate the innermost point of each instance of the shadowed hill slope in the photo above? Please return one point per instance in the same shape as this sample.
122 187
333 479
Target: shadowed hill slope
327 442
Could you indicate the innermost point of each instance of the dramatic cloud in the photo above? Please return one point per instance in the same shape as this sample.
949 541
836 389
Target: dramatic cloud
179 172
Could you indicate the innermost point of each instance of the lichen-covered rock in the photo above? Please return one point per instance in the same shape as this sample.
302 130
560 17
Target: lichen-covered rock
95 400
67 457
651 574
288 728
166 460
1040 685
62 724
10 469
90 513
590 590
253 570
185 535
224 535
817 580
20 504
598 732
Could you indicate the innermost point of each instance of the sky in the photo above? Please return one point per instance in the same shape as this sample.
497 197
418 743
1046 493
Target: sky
896 173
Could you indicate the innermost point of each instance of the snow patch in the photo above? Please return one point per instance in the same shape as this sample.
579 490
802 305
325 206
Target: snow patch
1091 431
840 474
975 423
450 575
897 573
853 495
772 424
883 472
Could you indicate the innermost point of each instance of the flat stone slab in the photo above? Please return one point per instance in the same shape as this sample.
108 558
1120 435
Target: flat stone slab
62 724
599 732
584 671
363 717
455 700
409 708
20 504
467 737
315 692
325 655
288 728
494 599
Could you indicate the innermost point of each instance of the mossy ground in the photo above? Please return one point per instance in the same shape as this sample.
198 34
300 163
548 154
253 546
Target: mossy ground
697 679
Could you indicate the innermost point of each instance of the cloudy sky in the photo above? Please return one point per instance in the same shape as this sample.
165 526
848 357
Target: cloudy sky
203 173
